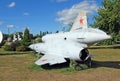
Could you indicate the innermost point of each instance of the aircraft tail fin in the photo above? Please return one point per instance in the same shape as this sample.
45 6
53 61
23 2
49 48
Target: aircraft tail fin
80 21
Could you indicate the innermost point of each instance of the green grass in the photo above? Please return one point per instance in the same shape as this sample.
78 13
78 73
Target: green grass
99 56
35 67
117 46
13 52
21 67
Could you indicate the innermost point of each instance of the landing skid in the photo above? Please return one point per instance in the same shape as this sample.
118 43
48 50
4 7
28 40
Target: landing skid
81 65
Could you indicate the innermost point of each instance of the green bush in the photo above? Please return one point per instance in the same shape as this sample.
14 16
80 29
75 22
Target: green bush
8 48
22 48
14 45
25 43
38 39
11 47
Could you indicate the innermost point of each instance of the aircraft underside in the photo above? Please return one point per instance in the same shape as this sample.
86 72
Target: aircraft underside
84 63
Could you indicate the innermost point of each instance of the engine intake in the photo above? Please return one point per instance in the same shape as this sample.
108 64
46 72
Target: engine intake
84 53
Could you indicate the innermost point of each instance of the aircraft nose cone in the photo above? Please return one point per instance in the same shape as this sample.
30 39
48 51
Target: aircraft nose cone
106 37
96 37
109 37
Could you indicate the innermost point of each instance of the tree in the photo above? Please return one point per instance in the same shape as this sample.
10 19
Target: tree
108 18
57 31
41 34
26 41
26 35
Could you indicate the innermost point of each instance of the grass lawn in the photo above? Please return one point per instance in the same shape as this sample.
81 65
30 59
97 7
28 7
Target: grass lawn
20 67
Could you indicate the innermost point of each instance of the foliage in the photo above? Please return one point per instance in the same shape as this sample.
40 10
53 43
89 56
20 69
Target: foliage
105 42
26 41
108 19
11 47
5 36
14 45
8 48
31 36
112 41
26 34
21 48
41 34
38 39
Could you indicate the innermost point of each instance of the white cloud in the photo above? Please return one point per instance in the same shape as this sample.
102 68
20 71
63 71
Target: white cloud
10 26
26 14
67 16
12 4
61 1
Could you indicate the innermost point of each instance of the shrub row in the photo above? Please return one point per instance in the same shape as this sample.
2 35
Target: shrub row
17 48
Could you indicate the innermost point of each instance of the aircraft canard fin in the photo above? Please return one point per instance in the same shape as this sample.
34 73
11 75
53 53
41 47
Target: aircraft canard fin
80 21
50 59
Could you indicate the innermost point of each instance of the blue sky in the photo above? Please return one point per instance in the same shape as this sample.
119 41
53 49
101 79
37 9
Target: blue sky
43 15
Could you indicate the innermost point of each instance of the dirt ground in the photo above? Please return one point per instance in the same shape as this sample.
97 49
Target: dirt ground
106 67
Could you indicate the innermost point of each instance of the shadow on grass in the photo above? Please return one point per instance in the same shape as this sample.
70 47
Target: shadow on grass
109 64
56 66
95 64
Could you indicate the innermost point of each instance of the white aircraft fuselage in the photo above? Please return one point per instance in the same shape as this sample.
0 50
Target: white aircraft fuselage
68 44
59 47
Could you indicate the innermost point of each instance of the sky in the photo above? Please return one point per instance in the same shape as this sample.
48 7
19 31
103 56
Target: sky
43 15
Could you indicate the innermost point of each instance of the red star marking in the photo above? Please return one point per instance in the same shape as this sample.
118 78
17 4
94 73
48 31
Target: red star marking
44 60
81 20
